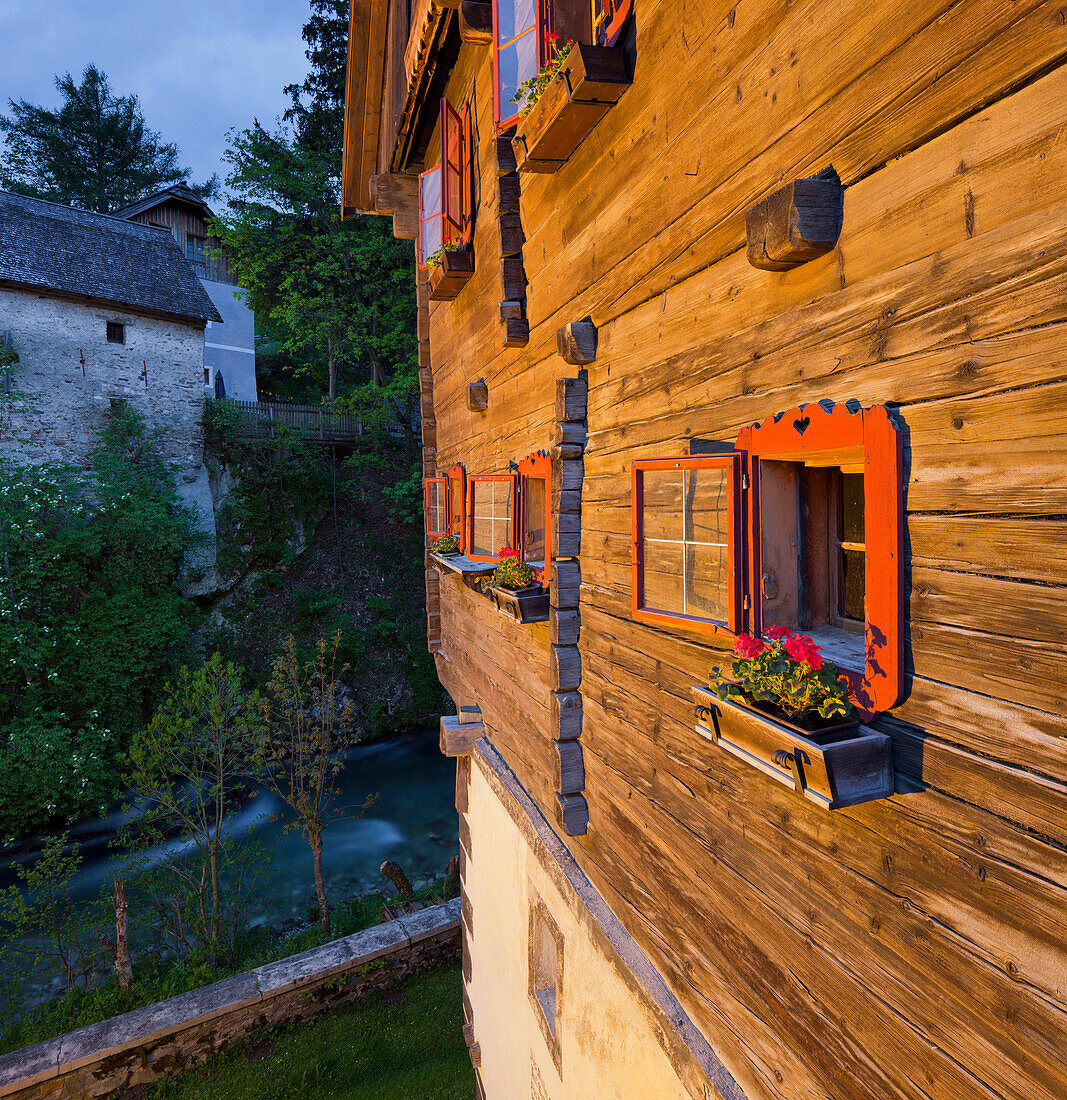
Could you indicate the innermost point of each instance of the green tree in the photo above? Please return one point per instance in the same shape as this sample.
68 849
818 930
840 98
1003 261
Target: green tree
95 151
307 728
336 294
188 763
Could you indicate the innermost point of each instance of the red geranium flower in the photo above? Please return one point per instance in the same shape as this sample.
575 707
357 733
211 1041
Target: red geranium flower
551 36
803 649
747 646
507 552
776 632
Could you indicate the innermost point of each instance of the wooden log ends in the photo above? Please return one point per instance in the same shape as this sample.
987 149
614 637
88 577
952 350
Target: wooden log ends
569 767
566 583
572 397
516 332
566 668
468 1031
508 194
512 237
572 813
478 396
796 223
469 715
457 738
577 342
567 715
505 155
564 626
512 309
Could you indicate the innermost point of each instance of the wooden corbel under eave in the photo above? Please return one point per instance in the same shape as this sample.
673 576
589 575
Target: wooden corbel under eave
460 731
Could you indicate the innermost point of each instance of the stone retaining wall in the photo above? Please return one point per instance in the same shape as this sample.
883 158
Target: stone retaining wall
141 1046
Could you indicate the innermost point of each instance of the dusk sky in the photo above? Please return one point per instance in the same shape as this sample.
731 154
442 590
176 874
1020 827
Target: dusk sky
198 66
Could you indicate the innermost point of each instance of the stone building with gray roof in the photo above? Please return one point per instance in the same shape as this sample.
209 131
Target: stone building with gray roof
100 310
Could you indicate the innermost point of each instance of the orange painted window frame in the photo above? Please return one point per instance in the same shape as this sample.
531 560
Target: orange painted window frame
538 465
840 434
457 491
425 216
472 505
607 34
427 490
541 26
732 463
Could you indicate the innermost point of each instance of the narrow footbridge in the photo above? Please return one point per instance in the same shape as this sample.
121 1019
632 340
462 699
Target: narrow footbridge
249 420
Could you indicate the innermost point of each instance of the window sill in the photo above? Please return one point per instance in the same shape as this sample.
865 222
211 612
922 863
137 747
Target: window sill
578 97
451 275
855 768
463 566
844 647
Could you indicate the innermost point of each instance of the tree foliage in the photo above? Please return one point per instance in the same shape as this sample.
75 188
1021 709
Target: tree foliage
95 151
308 725
91 620
188 764
336 294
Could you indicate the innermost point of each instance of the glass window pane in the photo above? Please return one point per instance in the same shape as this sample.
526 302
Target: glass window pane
455 196
437 507
431 193
518 63
662 504
456 524
431 236
707 576
663 576
514 17
706 516
533 518
853 584
492 517
852 529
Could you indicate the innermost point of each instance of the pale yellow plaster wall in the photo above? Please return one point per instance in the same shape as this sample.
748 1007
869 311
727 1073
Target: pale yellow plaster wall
607 1037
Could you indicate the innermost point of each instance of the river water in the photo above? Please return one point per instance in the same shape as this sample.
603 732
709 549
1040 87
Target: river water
413 822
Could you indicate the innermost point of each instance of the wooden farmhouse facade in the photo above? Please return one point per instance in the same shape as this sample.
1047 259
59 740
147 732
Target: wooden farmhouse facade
755 320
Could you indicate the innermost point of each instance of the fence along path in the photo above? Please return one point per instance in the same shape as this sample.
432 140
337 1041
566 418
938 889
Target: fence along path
261 419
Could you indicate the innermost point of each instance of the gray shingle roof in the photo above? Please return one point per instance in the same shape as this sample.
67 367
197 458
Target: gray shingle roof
179 192
96 256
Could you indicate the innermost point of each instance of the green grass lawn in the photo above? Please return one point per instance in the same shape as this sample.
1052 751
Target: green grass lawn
403 1044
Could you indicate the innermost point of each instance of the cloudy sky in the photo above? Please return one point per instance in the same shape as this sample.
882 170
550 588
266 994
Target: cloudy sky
198 66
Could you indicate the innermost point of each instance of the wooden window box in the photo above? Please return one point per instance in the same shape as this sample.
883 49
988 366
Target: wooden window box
843 766
451 275
527 605
579 96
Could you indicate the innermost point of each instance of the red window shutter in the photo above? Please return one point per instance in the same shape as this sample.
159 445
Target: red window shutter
454 204
468 174
431 229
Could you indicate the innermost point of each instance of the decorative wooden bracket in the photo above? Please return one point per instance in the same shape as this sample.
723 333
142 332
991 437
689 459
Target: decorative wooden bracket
476 22
796 223
577 342
459 732
478 396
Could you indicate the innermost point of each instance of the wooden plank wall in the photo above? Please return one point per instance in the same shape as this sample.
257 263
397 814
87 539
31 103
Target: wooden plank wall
908 948
183 222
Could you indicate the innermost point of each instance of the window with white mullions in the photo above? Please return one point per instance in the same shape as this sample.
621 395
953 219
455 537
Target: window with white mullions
437 517
492 501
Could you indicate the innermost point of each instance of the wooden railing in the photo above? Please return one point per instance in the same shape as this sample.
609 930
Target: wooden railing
313 423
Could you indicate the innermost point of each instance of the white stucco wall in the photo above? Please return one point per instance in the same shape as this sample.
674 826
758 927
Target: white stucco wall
608 1048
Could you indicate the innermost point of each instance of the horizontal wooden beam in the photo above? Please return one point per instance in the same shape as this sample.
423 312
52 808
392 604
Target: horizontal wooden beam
458 737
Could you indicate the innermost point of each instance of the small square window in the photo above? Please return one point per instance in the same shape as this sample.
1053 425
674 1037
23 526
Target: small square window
207 376
116 333
546 975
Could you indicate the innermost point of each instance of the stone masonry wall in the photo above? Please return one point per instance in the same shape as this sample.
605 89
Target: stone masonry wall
160 1039
67 402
